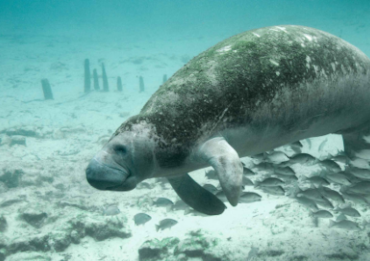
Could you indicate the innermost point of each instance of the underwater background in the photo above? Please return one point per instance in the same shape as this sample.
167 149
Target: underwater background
48 211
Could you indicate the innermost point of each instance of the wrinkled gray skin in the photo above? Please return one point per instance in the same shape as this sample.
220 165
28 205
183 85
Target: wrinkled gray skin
248 94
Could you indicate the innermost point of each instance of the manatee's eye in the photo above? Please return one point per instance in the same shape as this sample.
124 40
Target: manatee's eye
120 149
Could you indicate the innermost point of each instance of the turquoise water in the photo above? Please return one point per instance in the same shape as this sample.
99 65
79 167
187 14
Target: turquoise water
156 19
48 211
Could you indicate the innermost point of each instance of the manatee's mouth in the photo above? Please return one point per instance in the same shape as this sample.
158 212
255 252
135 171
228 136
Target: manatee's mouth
126 185
105 177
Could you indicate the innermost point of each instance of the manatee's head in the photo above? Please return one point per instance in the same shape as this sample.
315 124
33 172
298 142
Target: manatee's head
122 163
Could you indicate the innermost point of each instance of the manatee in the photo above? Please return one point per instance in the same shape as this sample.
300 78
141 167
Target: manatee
246 95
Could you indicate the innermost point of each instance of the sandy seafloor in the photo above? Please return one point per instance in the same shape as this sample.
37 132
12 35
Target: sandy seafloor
64 134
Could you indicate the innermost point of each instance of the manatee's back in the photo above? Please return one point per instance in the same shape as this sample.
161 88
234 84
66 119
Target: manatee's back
260 76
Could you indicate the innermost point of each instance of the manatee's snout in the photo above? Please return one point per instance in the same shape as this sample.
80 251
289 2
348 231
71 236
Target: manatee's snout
104 177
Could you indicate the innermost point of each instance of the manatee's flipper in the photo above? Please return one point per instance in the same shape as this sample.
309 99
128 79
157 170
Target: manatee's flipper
196 196
225 160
